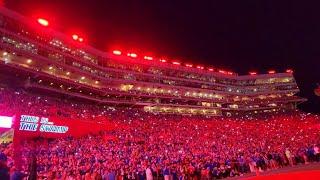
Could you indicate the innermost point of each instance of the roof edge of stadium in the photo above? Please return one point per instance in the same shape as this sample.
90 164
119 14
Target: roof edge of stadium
173 65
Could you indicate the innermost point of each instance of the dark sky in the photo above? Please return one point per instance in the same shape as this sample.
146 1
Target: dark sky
240 35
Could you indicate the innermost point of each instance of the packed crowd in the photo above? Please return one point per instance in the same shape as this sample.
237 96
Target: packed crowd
149 146
12 102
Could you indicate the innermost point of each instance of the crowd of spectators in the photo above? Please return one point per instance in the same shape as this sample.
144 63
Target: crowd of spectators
150 146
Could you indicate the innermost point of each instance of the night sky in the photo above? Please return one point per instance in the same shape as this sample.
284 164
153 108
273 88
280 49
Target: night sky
238 35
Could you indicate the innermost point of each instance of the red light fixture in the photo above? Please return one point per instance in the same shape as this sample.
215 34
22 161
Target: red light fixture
133 55
148 58
176 63
289 71
43 22
271 71
116 52
200 67
222 71
189 65
163 60
210 69
253 73
80 39
75 37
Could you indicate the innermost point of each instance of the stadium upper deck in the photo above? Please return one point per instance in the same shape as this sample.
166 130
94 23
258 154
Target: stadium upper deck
48 60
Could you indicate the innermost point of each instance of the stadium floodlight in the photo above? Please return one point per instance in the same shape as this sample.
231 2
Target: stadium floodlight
75 37
29 61
271 71
148 58
200 67
253 73
43 22
289 71
176 63
210 69
80 39
116 52
189 65
133 55
222 71
163 60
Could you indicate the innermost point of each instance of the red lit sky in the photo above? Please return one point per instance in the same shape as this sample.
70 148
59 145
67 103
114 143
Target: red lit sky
239 35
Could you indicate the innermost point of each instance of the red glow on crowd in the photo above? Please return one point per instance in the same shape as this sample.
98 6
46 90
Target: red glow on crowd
43 22
116 52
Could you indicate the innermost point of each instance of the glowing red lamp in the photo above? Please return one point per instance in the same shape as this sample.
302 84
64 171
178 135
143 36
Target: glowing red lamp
253 73
271 71
43 22
176 63
189 65
222 71
80 39
148 58
163 60
200 67
210 69
289 71
133 55
116 52
75 37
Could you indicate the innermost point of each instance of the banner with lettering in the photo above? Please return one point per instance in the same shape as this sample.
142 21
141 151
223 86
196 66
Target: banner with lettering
27 126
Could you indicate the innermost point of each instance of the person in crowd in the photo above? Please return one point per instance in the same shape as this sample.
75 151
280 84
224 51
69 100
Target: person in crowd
156 146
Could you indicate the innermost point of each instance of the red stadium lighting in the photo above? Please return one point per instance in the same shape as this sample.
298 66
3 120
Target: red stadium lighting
133 55
230 73
163 60
271 71
43 22
222 71
75 37
80 39
148 58
116 52
253 73
210 69
189 65
200 67
176 63
289 71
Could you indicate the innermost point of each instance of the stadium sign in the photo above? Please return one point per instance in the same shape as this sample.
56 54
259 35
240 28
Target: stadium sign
35 123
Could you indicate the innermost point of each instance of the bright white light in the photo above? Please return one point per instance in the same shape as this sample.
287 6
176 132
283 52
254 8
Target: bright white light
5 122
